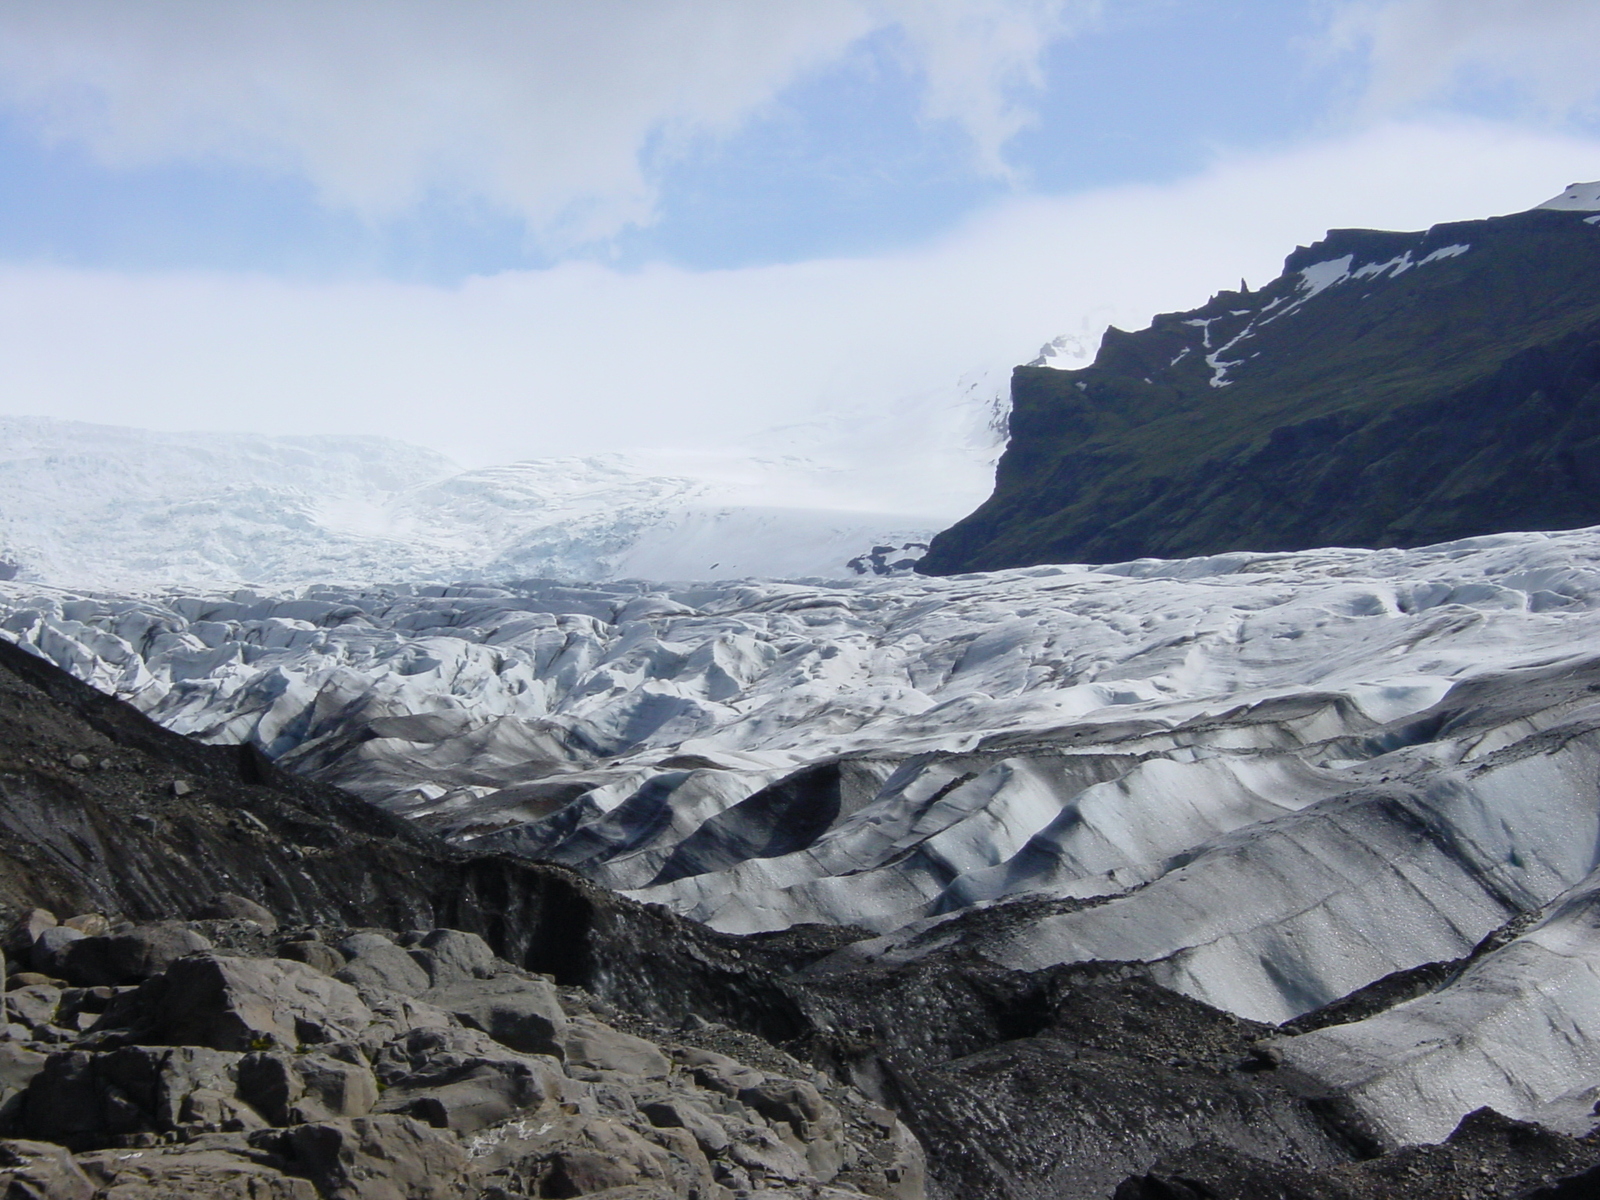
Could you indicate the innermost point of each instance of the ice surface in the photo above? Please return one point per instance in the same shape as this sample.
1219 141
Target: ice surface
1579 197
1271 778
126 509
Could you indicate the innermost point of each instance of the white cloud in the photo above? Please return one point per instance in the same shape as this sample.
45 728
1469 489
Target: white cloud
1422 50
540 108
583 359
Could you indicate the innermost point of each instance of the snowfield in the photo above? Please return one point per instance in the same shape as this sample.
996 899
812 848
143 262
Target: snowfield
1273 779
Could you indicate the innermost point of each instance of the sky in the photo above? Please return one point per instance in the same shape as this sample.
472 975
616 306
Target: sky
524 228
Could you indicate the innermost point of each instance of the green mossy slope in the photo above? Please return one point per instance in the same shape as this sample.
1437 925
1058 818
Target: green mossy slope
1457 397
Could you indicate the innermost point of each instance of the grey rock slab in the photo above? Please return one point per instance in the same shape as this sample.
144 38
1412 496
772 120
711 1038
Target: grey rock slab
592 1046
451 955
18 1065
245 1004
289 1089
314 954
45 953
41 1171
130 957
35 1004
229 906
25 930
376 1158
706 1130
217 1168
524 1014
462 1080
358 944
718 1072
384 968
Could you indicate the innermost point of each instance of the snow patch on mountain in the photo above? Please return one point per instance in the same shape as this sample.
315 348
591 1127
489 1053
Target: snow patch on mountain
1579 197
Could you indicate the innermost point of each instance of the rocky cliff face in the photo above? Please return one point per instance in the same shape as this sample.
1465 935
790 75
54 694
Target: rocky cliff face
1388 389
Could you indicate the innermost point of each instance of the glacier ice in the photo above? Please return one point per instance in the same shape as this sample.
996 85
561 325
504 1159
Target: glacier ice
1270 779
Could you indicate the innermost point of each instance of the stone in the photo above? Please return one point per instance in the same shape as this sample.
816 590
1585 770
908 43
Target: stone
288 1089
314 954
717 1072
524 1014
129 957
218 1167
358 944
461 1079
384 968
30 978
81 1097
375 1158
35 1004
79 762
179 788
89 924
578 1156
675 1113
18 1066
451 955
229 906
591 1046
41 1171
816 1126
48 948
243 1004
26 930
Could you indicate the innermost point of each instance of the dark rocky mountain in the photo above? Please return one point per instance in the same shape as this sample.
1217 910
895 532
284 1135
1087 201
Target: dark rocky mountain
1388 389
272 989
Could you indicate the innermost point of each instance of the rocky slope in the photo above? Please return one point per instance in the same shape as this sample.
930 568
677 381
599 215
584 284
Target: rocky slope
272 989
1388 389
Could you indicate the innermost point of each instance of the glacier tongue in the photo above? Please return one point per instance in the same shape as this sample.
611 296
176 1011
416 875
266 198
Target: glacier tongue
1272 779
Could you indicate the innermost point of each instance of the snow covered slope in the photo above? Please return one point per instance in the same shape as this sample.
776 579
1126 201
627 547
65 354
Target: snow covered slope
127 509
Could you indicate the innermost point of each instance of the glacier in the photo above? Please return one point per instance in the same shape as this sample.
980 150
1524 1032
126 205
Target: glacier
849 493
1268 780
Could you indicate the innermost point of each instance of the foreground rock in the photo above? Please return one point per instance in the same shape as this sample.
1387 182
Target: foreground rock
226 1073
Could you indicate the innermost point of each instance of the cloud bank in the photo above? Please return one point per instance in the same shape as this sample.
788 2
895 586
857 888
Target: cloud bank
554 111
583 359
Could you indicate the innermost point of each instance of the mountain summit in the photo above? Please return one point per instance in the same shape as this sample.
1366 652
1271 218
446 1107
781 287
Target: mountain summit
1388 389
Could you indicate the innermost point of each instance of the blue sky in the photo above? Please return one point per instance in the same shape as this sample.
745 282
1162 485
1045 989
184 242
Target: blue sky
480 199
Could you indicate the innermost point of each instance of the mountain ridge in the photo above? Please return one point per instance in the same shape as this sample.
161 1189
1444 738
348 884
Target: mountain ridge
1388 389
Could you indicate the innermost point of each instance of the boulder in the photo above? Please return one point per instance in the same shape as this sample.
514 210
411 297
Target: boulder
221 1167
89 924
129 957
41 1171
357 944
288 1089
677 1113
717 1072
523 1014
384 967
35 1004
314 954
816 1127
45 954
461 1079
375 1158
450 956
229 906
590 1046
241 1004
82 1097
577 1156
25 931
18 1066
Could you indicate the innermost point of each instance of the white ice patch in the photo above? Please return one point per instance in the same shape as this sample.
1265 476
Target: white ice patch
1445 252
1579 197
1591 220
1319 277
